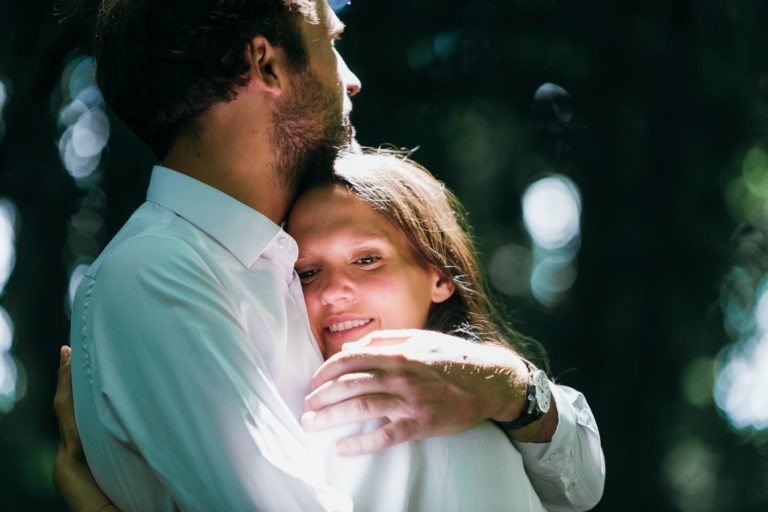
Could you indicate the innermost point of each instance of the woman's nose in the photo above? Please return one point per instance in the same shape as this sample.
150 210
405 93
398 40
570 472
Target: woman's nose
335 289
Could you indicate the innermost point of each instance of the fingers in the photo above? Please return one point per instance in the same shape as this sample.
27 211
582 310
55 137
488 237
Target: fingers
361 359
380 339
383 437
354 410
62 400
64 405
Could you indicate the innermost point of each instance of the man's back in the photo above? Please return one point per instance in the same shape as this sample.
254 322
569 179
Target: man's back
180 334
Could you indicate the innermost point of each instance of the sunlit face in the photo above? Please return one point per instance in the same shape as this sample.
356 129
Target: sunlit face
358 272
312 120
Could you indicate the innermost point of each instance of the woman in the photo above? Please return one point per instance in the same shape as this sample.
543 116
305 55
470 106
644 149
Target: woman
386 247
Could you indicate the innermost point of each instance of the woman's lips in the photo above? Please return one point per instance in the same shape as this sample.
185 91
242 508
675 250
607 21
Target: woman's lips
346 325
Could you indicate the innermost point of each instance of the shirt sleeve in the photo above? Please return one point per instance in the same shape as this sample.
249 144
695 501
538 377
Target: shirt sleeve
182 385
568 473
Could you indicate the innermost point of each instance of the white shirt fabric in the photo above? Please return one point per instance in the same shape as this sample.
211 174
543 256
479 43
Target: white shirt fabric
568 473
478 469
191 358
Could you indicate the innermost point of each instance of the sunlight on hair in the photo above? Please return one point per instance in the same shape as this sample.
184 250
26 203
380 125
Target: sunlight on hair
7 241
552 216
86 128
8 370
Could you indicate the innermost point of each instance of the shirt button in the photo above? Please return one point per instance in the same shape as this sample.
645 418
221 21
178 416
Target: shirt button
282 243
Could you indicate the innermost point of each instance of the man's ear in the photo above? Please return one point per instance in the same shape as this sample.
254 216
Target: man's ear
442 288
267 65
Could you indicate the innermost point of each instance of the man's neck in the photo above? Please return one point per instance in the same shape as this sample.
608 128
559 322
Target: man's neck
239 162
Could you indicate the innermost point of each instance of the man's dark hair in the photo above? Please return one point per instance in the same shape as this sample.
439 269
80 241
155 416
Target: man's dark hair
163 63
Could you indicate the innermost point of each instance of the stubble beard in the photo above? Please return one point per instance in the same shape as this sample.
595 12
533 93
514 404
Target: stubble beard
310 129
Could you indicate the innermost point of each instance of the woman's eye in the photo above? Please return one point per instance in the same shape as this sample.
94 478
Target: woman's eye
305 275
367 260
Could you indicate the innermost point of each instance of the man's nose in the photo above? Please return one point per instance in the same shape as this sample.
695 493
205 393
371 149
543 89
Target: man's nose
351 82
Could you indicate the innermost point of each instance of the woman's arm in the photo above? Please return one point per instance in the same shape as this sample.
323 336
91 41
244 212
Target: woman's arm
72 478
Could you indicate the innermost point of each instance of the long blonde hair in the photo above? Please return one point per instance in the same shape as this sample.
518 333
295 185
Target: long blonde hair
435 225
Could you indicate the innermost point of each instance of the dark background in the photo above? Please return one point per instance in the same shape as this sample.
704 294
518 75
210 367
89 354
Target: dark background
667 97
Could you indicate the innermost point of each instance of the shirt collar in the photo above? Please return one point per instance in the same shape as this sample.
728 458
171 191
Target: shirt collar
238 228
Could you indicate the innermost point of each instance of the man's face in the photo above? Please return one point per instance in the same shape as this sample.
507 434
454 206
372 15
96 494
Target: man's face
312 121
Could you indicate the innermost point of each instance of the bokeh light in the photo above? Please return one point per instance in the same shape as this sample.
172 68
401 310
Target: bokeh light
510 269
690 470
552 216
338 5
755 171
434 48
552 211
742 366
83 121
85 131
8 368
551 279
697 381
8 216
552 108
3 100
744 370
9 372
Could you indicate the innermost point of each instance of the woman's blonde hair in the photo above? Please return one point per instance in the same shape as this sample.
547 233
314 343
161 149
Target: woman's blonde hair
434 222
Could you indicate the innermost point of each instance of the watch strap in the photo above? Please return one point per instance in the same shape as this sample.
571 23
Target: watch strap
530 411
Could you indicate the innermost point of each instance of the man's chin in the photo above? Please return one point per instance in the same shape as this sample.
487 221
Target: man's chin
315 168
350 144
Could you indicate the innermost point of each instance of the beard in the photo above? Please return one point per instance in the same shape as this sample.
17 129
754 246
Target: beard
310 128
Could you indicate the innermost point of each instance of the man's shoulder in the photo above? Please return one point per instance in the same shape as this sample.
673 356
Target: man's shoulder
153 236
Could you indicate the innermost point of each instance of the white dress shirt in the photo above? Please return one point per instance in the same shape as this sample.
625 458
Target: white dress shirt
189 339
192 355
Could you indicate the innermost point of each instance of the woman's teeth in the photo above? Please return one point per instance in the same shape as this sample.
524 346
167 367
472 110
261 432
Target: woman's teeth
349 324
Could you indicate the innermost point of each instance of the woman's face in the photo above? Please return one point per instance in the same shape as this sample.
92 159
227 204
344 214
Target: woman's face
357 269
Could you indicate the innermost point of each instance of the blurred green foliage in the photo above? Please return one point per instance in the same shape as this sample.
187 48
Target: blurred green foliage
666 97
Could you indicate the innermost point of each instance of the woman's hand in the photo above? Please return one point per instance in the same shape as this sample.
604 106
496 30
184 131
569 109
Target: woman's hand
72 478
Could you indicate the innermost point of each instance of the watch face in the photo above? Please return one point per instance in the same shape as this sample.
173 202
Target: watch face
541 384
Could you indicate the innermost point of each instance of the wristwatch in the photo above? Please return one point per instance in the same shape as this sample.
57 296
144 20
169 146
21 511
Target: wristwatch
537 400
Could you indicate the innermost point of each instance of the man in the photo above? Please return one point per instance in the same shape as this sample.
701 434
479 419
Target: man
191 349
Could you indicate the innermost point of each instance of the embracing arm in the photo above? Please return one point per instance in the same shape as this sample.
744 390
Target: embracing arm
71 477
429 384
